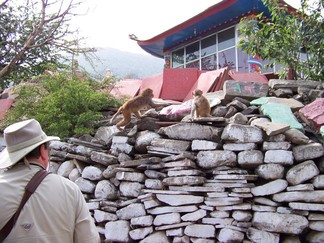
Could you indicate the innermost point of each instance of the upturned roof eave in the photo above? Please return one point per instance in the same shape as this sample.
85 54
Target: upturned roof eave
215 17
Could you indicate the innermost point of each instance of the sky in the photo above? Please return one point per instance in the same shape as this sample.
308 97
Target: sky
107 23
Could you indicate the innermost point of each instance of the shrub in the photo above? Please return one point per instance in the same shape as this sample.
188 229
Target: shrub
64 106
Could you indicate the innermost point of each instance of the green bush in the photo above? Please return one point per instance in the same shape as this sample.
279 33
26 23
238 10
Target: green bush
64 106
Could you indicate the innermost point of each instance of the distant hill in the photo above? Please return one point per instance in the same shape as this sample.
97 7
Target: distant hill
122 64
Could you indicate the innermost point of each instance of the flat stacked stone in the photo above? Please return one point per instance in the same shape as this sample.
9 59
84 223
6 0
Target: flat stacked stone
243 179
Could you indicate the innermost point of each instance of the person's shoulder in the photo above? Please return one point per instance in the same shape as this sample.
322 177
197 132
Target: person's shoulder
58 179
63 186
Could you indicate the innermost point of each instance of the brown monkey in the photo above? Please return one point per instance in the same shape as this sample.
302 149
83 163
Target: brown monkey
134 106
200 105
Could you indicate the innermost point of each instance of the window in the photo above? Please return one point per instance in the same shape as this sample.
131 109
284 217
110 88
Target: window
227 58
242 61
216 51
208 46
209 63
226 39
192 52
178 58
194 64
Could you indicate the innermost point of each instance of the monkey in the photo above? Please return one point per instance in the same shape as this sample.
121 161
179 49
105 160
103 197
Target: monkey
134 106
200 106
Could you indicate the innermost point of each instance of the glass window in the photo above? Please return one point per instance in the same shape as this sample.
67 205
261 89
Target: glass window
243 65
211 53
208 46
226 39
178 58
192 52
227 58
209 63
194 64
180 66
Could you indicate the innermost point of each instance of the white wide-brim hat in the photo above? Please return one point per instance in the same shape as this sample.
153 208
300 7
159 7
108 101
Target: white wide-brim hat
21 138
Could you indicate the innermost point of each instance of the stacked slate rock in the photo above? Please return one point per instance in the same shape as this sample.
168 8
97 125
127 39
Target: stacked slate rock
238 177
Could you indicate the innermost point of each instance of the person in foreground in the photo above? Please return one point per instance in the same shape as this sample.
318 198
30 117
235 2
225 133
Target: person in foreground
56 211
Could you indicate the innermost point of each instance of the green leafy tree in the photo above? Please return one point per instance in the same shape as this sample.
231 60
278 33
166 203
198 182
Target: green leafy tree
293 39
64 106
34 35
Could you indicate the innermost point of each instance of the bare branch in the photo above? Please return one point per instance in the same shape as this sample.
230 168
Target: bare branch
47 29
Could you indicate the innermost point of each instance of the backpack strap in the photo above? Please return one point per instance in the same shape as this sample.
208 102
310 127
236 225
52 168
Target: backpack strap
29 190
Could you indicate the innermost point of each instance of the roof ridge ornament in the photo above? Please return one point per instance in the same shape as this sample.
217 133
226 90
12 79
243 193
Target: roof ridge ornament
133 37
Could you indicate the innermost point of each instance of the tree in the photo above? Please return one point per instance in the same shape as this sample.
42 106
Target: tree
34 35
293 39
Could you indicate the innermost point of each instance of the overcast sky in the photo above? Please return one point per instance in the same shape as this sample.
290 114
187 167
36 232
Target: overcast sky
108 23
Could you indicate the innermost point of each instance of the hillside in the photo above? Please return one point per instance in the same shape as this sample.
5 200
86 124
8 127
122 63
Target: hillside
122 64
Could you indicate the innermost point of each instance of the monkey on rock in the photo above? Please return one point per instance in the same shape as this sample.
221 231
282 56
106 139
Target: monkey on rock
133 106
200 106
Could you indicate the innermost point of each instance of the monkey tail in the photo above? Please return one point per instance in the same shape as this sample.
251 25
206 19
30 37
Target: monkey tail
115 115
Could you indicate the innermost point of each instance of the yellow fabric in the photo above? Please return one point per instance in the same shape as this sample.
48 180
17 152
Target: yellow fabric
55 213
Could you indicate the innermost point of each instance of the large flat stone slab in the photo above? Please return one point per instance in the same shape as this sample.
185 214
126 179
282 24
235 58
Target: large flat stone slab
242 134
308 151
246 90
179 199
313 113
191 131
294 105
304 196
279 223
292 84
281 114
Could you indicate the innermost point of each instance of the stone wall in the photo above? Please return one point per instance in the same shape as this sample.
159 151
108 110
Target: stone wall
235 177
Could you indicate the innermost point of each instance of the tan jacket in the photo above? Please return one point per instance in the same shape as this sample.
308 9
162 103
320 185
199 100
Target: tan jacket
55 213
